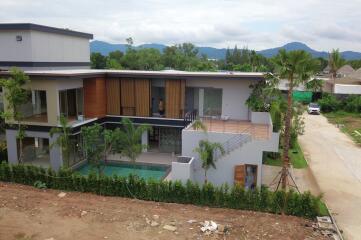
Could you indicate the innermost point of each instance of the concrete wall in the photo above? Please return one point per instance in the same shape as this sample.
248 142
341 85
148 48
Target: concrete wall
347 89
12 50
56 160
262 118
249 153
39 46
183 171
234 95
51 47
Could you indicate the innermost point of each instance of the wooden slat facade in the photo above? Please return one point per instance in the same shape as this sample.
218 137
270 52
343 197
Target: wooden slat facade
113 96
142 97
95 101
174 98
132 97
127 97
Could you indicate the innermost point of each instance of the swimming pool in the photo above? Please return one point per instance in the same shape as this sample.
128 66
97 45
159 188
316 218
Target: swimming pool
146 171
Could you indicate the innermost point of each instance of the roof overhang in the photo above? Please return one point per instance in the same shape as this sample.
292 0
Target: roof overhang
42 28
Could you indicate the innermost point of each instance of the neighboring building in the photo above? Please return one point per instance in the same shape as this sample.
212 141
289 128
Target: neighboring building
31 46
87 96
349 82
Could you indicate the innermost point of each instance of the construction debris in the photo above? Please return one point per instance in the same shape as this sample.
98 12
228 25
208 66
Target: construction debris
170 228
62 194
325 227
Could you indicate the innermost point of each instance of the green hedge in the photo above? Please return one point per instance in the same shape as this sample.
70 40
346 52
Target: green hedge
303 205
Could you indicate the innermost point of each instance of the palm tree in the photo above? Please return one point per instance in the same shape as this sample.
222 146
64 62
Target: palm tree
335 62
63 140
129 140
206 151
297 67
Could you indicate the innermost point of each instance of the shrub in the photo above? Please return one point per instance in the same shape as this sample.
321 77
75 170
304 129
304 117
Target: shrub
352 104
328 103
304 205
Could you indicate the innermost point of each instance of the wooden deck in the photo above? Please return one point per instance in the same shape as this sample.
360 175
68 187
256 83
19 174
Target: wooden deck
258 131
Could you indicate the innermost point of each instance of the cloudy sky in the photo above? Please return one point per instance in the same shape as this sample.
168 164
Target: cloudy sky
258 24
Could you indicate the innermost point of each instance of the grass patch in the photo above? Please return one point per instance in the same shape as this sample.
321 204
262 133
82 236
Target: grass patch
296 156
349 123
323 211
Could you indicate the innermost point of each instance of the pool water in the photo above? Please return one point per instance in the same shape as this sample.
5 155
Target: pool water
124 169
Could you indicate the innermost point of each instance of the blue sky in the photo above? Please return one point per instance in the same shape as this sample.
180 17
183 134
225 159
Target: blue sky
260 24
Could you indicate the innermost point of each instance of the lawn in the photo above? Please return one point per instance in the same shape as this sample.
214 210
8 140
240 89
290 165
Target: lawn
296 155
349 123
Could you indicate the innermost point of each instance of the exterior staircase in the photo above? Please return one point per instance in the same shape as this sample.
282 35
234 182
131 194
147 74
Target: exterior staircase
234 143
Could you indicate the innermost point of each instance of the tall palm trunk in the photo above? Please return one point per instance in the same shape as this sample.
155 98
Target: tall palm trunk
205 177
287 134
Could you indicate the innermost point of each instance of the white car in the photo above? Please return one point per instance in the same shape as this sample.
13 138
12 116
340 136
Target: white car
313 108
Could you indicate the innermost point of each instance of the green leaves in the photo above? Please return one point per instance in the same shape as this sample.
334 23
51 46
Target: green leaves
303 205
206 151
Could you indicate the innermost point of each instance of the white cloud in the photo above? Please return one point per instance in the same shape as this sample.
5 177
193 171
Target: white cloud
257 24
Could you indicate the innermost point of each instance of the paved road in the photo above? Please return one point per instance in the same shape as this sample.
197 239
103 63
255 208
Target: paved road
336 164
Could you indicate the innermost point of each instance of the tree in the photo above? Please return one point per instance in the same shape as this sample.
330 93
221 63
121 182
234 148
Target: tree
16 95
335 61
98 61
297 67
206 151
94 146
129 143
315 85
63 140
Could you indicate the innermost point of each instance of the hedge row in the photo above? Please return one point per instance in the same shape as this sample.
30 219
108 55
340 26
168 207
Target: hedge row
303 205
330 103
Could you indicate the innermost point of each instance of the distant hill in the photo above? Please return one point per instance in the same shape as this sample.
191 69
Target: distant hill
220 53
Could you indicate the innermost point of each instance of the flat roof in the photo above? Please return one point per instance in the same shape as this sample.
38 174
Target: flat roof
42 28
139 73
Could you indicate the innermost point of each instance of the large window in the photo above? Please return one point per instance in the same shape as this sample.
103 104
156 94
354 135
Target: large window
35 109
212 105
71 103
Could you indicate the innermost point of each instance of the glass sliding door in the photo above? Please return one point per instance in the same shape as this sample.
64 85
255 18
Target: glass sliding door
71 103
212 103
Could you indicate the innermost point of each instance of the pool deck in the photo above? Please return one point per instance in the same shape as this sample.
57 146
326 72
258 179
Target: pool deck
148 157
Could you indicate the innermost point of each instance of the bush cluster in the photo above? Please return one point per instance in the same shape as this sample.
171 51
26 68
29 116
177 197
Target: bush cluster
303 205
329 103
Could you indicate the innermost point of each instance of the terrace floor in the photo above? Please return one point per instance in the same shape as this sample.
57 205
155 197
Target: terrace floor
258 131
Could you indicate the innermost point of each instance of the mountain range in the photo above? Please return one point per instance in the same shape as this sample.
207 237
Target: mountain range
220 53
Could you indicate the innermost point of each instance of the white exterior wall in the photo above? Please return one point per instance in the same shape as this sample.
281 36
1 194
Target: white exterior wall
249 153
55 155
347 89
234 95
39 46
183 171
51 47
12 50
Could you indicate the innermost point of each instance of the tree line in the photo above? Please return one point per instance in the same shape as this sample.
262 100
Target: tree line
186 57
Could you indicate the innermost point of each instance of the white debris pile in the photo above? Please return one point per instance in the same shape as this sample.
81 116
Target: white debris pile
326 227
209 227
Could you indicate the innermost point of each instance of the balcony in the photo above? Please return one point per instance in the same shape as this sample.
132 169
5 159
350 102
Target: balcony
35 109
219 125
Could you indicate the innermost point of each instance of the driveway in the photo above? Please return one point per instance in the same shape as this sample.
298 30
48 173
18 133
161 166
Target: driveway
336 164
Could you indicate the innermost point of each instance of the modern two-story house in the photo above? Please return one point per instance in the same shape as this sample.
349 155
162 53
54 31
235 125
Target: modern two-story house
168 101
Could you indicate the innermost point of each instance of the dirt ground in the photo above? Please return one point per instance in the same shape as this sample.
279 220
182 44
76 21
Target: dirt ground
27 213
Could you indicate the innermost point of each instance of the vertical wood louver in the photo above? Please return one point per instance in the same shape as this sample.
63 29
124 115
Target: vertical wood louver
113 96
95 104
174 98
